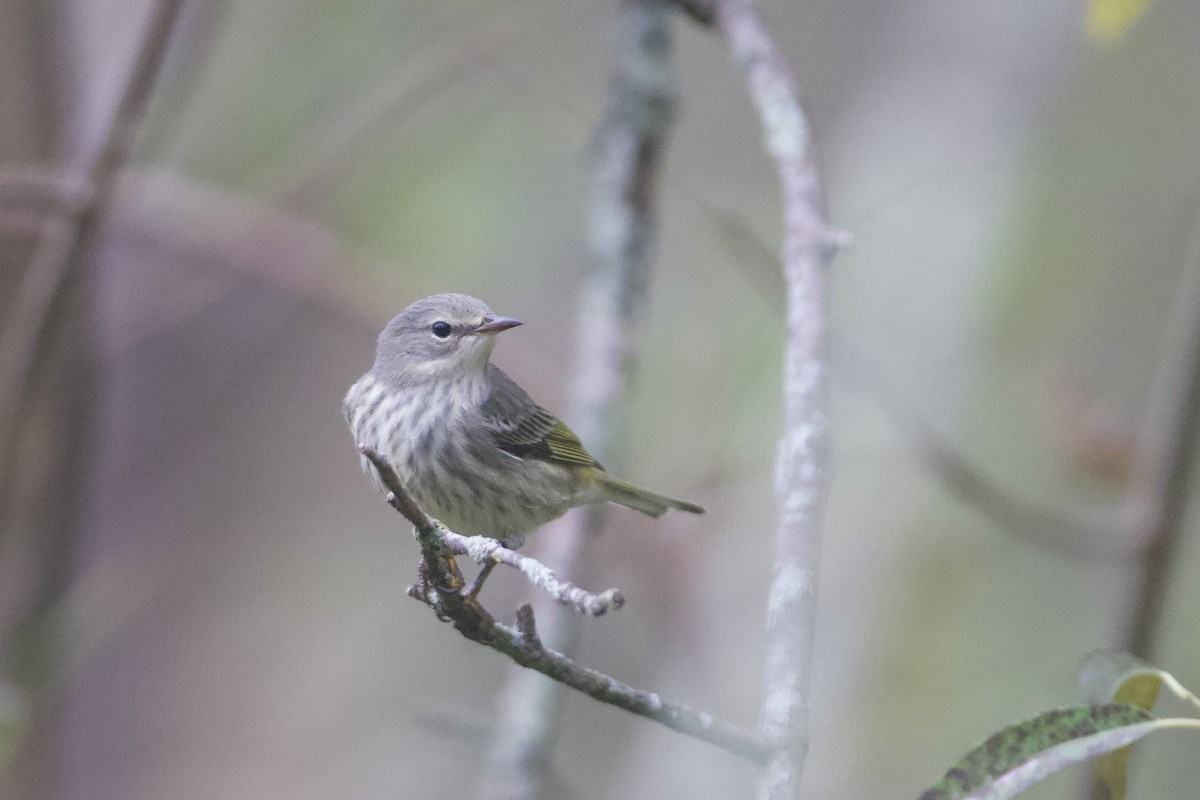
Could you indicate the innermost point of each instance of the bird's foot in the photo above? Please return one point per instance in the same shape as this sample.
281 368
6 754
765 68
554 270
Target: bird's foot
457 581
453 575
447 579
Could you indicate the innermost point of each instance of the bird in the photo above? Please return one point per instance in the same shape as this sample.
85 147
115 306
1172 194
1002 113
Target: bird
468 443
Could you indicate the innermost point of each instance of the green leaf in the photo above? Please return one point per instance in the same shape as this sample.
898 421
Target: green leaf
1109 20
1019 756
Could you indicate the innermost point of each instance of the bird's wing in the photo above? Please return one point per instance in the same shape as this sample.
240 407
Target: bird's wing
522 428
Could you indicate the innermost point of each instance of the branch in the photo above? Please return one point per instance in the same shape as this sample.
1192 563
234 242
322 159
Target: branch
302 172
599 686
1169 478
59 258
484 548
622 228
702 12
1106 535
40 186
1112 533
440 590
437 542
808 248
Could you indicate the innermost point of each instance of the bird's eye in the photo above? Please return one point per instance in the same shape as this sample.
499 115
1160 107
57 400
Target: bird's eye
441 329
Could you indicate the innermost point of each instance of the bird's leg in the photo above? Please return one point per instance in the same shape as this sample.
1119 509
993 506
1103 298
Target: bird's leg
512 542
477 584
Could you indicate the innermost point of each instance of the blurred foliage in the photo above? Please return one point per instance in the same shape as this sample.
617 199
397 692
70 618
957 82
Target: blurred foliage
1110 20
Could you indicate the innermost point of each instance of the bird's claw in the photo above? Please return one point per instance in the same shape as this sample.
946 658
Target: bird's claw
455 580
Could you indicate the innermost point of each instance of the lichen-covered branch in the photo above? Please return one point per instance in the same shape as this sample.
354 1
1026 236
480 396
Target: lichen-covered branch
808 247
483 549
437 542
441 586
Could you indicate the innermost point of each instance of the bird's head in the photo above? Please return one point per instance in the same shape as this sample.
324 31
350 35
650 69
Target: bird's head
441 336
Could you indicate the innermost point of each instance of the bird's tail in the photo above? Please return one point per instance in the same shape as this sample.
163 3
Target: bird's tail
639 499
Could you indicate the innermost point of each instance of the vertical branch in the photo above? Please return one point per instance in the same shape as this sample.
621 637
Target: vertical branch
1167 478
1163 474
46 379
800 470
51 293
610 315
58 261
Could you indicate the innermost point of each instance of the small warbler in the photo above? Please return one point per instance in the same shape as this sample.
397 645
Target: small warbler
469 444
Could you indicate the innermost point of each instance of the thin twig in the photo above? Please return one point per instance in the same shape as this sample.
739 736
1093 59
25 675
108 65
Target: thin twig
527 626
483 549
1109 534
522 645
808 248
437 542
304 169
1114 532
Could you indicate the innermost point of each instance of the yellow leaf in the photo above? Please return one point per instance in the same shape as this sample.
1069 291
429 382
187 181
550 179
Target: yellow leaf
1120 678
1109 20
1141 690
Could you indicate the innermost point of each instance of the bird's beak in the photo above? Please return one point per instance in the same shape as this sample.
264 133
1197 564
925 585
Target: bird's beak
493 325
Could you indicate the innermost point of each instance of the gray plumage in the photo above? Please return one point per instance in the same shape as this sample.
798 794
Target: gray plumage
470 444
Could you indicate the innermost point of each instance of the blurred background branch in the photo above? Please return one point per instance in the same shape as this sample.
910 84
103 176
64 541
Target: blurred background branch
1165 476
58 262
610 326
1110 533
47 363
